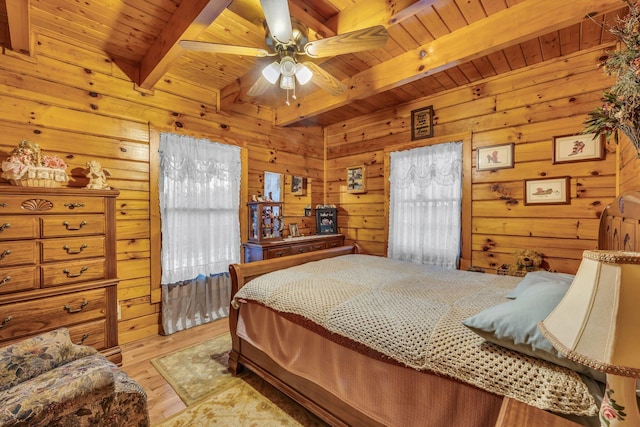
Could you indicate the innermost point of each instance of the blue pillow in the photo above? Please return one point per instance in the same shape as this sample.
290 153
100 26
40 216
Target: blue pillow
514 325
535 277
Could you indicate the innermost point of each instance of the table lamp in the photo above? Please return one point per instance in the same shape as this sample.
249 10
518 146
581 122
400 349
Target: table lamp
597 324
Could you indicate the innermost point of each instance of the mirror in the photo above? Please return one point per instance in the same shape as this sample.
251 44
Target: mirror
273 186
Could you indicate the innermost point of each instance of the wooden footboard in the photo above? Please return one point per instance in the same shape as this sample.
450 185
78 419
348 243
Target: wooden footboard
243 273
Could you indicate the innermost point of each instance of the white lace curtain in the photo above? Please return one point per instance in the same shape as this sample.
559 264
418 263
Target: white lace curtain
199 202
425 205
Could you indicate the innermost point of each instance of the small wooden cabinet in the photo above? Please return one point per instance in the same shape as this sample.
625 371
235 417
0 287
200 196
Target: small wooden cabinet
257 251
265 221
58 265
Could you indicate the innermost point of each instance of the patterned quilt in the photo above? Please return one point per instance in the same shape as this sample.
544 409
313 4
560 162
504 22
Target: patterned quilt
413 314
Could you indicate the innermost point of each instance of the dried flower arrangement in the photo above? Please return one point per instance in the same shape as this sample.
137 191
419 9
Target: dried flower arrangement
27 167
620 110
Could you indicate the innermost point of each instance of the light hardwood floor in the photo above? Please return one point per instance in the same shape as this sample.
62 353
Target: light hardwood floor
136 362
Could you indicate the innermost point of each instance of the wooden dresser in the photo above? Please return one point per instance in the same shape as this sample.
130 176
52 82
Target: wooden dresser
58 265
256 251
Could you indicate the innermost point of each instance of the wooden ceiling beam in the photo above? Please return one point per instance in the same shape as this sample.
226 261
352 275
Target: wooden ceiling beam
367 13
516 24
190 20
19 17
313 22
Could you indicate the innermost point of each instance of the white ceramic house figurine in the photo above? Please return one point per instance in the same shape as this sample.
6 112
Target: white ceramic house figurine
97 176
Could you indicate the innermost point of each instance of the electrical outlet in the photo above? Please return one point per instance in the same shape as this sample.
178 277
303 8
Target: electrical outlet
119 312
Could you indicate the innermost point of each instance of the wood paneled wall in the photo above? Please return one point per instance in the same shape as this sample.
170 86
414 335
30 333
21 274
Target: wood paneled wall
629 164
528 107
79 105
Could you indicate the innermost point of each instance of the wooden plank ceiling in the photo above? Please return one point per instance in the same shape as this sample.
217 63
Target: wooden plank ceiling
434 45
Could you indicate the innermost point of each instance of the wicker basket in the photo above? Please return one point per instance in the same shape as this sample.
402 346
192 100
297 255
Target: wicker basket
45 183
38 177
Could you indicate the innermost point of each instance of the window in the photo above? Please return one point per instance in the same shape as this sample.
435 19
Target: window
199 202
425 205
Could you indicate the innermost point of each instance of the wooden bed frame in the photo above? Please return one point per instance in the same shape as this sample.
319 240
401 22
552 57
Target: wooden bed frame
619 227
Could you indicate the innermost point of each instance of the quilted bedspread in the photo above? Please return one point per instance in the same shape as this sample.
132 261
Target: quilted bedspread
413 314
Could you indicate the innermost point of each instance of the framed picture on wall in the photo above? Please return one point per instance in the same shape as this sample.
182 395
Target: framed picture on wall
578 148
547 191
326 221
422 123
494 157
357 179
293 230
298 185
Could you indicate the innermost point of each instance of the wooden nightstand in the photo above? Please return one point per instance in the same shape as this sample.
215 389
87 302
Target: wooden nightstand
518 414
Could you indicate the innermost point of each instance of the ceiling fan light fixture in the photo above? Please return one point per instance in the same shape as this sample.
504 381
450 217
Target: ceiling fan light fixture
287 66
271 72
287 82
303 74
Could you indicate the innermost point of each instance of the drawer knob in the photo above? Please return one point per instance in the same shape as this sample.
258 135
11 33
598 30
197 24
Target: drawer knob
69 274
83 339
70 252
5 253
68 227
5 280
74 205
279 253
3 205
5 322
4 226
68 308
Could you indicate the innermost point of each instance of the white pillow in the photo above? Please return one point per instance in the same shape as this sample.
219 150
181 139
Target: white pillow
536 277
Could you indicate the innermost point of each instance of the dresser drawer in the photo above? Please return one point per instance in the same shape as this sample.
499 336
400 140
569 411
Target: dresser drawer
22 204
18 253
18 227
67 225
303 249
334 243
73 248
92 333
277 252
63 273
14 279
32 317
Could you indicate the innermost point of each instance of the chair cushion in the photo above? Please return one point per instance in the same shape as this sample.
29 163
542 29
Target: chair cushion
32 357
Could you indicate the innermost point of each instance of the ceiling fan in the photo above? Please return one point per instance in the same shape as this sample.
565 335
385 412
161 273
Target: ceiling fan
287 39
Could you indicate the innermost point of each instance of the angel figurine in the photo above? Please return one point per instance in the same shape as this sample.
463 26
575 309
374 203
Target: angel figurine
97 176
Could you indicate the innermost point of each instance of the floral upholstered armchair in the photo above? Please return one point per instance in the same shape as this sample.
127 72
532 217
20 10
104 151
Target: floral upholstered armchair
49 381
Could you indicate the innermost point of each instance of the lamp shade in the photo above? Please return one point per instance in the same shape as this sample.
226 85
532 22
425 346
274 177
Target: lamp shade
287 82
303 74
597 323
271 72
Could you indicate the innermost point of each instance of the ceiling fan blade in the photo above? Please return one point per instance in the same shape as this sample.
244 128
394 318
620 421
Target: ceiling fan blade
259 87
354 41
276 13
223 48
325 80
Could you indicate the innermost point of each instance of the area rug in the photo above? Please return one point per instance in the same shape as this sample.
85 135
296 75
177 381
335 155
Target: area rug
199 370
199 375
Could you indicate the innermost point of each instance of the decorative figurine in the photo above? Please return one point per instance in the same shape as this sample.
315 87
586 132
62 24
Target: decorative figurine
97 176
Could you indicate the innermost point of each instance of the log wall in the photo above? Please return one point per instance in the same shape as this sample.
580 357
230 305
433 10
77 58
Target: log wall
528 108
79 105
629 164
